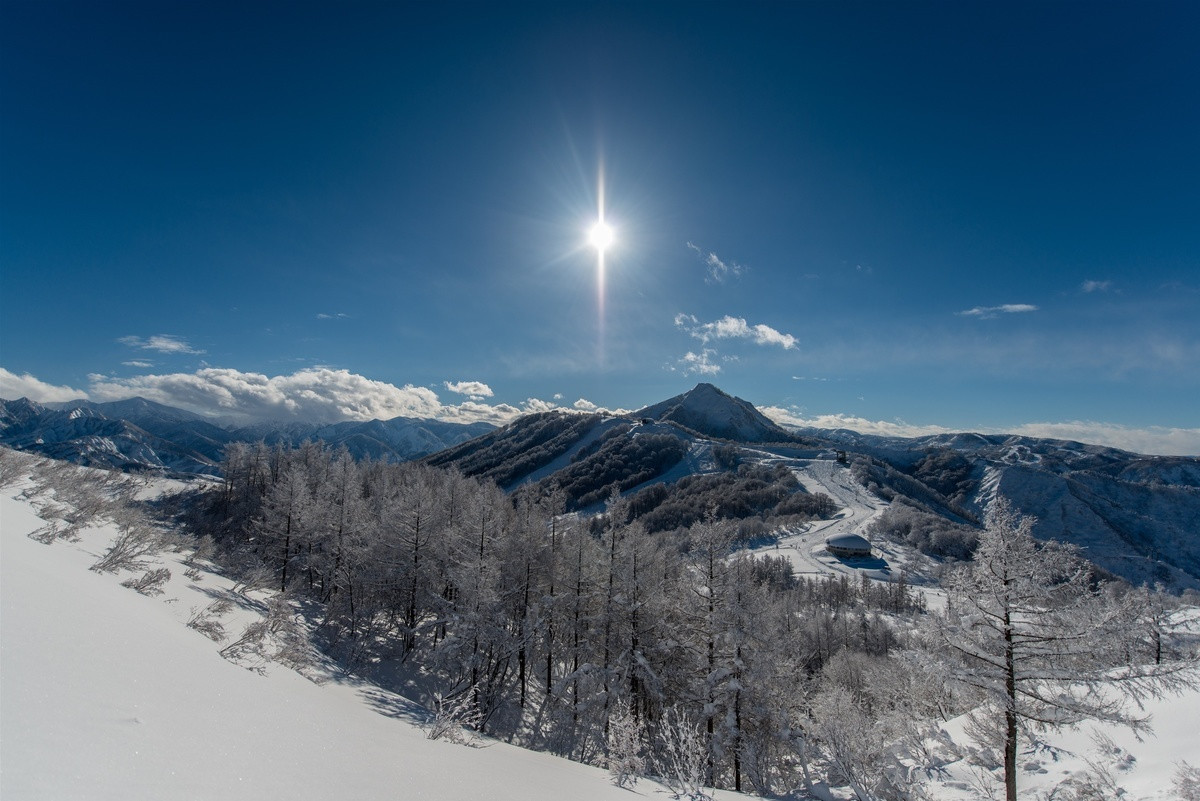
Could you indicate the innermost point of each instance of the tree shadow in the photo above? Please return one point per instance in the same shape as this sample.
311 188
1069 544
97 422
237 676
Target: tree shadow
864 562
395 706
236 599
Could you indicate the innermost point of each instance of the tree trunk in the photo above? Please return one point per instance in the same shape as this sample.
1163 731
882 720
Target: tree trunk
1010 714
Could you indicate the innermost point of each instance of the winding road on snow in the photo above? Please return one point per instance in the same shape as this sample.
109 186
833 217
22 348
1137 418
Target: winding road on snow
805 546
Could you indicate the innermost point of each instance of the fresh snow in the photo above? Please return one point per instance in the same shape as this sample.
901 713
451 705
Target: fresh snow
106 694
1143 768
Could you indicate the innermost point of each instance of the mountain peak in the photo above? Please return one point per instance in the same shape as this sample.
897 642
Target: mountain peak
708 410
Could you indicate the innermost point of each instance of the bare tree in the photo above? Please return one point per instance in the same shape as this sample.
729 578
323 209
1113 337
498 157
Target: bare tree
1040 640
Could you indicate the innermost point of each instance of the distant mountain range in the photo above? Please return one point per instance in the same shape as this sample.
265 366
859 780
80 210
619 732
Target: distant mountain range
1135 516
138 434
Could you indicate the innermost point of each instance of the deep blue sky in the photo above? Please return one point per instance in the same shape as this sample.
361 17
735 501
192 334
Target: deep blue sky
969 215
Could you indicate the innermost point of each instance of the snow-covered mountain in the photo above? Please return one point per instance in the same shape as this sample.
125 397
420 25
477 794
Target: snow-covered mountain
398 439
84 434
1133 515
138 434
709 411
1136 516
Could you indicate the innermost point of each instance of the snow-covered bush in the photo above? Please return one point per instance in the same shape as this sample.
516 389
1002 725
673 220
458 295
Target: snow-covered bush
682 755
206 620
1186 782
135 543
456 718
149 583
626 749
277 637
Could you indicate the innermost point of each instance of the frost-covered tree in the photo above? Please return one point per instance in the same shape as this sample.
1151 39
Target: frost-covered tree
626 749
1040 640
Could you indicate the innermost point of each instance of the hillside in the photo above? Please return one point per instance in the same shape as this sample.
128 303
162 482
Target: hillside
108 694
146 707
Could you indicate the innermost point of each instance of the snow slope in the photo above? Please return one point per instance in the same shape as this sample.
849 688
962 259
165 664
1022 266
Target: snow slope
106 694
1139 769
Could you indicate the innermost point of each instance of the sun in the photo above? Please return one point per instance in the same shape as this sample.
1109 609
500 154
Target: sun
601 236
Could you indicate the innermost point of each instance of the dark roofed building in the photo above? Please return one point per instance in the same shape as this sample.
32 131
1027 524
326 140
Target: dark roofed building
848 545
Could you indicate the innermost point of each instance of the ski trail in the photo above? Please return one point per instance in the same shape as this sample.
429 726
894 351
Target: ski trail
805 546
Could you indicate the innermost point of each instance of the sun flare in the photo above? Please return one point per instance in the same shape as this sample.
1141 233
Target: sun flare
601 236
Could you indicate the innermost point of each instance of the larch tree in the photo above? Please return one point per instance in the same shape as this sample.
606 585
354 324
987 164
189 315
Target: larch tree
1041 641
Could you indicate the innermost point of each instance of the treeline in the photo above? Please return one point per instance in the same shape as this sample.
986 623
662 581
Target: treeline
514 451
929 533
749 491
618 462
561 636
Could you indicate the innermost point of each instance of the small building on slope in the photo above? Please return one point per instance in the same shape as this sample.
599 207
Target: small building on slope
844 545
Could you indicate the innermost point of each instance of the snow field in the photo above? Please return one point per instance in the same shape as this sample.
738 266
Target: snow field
107 694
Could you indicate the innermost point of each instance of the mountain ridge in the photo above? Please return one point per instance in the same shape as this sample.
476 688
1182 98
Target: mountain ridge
1134 515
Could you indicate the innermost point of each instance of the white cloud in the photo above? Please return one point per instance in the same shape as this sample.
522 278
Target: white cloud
314 394
13 386
1095 286
718 269
338 316
1159 440
475 390
988 312
729 327
700 363
163 343
538 405
585 405
138 363
471 412
883 428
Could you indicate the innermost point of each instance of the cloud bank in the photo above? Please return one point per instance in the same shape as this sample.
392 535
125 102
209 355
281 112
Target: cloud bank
312 395
13 386
315 394
327 396
1161 440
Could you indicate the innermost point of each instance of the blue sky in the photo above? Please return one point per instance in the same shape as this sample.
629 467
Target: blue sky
901 216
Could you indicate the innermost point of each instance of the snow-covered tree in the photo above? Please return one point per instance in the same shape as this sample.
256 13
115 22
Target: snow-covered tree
626 748
1040 641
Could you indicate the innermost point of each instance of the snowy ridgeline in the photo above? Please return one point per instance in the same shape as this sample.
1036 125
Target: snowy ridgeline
114 686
